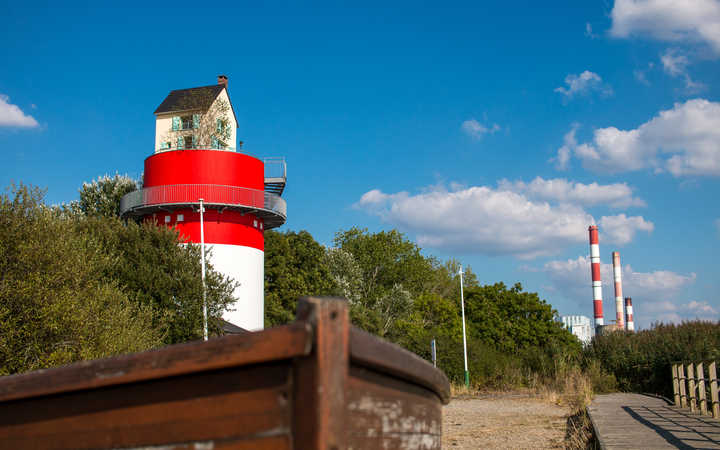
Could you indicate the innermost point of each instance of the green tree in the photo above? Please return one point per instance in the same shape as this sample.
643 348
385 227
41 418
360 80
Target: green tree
295 266
56 304
512 320
152 269
101 196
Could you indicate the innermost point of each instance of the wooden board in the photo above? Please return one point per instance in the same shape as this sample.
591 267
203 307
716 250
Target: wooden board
246 402
315 384
386 412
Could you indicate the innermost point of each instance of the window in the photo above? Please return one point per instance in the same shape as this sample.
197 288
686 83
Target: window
189 122
217 144
167 219
180 217
189 141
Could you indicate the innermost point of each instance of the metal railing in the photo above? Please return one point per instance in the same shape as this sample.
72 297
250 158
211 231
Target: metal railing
173 149
271 207
275 167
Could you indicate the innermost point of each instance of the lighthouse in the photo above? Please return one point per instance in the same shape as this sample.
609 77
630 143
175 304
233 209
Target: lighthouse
196 164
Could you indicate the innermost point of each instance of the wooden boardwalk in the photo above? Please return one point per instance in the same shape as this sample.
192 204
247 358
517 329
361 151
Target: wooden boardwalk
640 421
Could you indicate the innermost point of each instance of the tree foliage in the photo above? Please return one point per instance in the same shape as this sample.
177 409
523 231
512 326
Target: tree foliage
77 287
101 196
396 292
295 266
56 304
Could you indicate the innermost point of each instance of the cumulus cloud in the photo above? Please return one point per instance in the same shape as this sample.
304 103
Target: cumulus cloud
481 219
655 294
689 21
616 195
621 229
12 116
477 130
683 140
583 84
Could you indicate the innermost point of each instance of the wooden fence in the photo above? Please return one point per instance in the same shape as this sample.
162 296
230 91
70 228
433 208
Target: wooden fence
692 383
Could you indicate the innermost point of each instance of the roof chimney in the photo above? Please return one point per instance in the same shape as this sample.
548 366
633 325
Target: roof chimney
223 79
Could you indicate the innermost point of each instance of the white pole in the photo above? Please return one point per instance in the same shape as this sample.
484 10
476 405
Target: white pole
462 307
202 251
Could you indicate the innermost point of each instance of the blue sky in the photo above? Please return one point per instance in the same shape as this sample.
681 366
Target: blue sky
491 133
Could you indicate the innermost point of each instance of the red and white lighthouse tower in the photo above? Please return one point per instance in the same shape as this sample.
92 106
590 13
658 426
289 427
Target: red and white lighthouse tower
195 164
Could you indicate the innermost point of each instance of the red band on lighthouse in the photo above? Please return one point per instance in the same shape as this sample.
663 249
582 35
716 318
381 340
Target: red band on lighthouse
595 273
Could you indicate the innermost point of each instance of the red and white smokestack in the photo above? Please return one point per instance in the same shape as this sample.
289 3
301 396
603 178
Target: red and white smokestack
595 272
629 314
617 273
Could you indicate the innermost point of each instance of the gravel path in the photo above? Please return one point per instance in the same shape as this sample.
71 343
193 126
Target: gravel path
503 421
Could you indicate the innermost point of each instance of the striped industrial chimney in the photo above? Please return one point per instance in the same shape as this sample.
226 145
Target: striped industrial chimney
595 272
617 273
629 314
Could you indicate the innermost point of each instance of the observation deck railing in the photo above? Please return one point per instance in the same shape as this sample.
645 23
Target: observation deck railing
270 207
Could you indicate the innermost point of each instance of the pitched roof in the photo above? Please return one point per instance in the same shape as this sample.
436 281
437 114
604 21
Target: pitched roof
192 99
231 328
189 99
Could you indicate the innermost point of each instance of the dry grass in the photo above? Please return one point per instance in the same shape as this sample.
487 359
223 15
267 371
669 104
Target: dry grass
546 413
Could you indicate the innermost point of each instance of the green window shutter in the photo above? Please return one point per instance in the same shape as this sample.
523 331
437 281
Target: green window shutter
176 123
194 141
196 121
219 126
215 142
180 142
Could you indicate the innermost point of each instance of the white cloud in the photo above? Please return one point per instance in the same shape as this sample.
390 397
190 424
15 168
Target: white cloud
667 20
562 161
12 116
583 84
675 64
655 294
683 140
621 229
641 77
499 221
589 31
477 130
616 195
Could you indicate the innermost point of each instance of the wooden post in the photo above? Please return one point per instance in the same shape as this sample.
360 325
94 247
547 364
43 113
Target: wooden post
691 386
702 395
712 374
676 387
681 380
319 413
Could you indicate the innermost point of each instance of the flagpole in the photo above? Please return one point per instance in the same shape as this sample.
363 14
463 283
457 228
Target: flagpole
202 251
462 307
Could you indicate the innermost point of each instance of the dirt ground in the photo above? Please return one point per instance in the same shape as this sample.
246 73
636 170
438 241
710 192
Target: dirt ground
500 421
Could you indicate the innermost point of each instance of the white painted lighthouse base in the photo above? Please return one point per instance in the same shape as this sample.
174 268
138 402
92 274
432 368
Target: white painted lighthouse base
246 266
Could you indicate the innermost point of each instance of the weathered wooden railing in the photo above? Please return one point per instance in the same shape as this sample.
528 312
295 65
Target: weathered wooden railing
691 386
317 383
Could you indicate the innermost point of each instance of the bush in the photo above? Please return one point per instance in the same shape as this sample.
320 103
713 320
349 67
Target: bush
641 362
